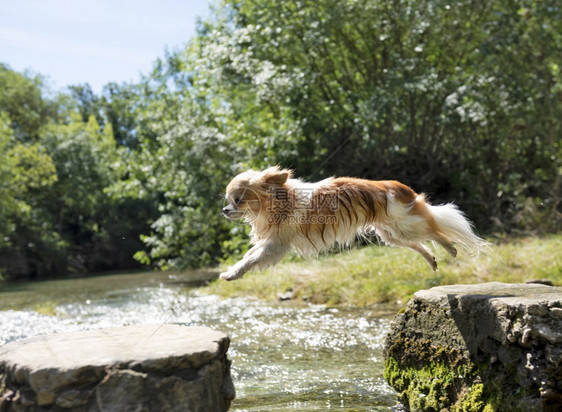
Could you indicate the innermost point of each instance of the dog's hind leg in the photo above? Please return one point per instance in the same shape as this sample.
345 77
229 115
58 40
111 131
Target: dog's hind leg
424 251
388 238
448 246
444 241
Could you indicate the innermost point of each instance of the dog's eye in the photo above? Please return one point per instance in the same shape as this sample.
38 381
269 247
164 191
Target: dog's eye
237 201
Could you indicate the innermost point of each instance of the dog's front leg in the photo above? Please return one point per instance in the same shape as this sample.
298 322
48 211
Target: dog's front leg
261 255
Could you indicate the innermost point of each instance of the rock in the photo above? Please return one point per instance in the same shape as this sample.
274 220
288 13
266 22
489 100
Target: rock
144 368
289 295
492 346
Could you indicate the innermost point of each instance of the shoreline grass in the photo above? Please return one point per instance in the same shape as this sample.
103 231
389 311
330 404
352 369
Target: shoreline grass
378 274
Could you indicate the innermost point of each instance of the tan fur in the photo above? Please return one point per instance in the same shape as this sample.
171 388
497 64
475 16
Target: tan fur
287 213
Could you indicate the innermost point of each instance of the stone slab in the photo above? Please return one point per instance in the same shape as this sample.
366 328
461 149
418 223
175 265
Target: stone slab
88 369
503 340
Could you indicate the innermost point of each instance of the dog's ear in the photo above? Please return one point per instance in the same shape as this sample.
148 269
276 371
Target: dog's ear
276 176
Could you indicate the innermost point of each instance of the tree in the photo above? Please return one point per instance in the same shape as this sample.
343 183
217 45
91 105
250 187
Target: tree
22 102
58 166
25 171
88 103
122 105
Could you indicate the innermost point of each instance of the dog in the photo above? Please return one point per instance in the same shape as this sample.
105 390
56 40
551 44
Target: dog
286 213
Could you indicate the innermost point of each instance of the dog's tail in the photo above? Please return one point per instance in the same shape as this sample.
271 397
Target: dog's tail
454 224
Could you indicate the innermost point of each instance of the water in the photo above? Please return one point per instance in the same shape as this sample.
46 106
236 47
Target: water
285 357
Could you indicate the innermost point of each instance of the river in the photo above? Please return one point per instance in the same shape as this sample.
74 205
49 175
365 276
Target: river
285 357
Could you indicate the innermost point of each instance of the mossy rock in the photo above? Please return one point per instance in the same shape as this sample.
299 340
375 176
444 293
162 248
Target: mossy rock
436 378
491 347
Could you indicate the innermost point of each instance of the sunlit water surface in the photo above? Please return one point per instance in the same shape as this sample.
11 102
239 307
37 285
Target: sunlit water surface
284 356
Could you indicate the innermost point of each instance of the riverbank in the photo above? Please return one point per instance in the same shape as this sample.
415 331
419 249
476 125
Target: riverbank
374 274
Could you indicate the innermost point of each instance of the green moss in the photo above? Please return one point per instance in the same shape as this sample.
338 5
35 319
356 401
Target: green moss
434 378
438 386
477 401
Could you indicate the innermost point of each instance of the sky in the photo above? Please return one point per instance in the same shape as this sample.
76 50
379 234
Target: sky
93 41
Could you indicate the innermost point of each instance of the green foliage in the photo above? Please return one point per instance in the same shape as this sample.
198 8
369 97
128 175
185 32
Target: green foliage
188 170
88 103
24 170
120 105
22 102
57 213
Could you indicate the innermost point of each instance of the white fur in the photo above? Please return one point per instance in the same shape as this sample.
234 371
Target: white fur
458 228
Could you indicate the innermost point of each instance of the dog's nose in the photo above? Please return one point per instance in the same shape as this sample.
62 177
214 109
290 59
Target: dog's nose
225 211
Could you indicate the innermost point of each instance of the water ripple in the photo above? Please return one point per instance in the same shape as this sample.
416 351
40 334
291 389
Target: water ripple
284 357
